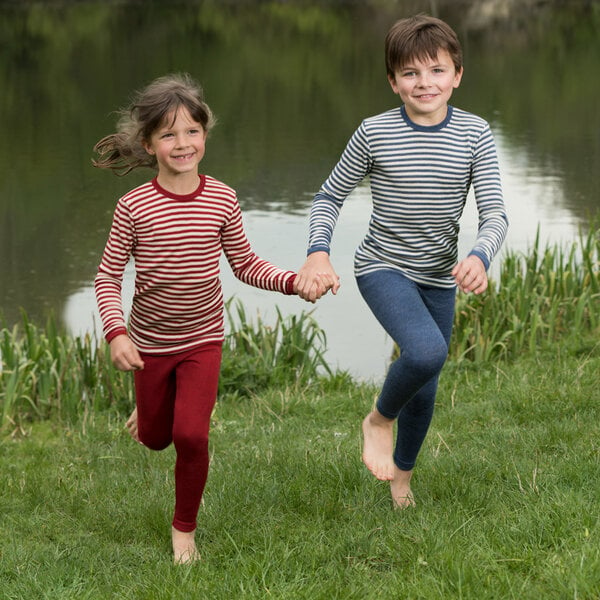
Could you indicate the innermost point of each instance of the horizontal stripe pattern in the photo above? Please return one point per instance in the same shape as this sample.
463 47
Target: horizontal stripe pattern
419 178
176 243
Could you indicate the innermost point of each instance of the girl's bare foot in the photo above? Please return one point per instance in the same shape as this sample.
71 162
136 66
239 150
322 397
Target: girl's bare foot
378 437
132 426
184 547
402 495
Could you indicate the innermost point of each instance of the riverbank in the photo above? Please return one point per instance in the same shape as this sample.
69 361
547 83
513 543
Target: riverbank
505 491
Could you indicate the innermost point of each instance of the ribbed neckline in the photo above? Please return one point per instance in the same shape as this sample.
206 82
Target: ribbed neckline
191 196
418 127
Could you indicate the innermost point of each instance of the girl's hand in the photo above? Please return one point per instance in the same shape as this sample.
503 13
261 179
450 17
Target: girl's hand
316 277
470 276
124 354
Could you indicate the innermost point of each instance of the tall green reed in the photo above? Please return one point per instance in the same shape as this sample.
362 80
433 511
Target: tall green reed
257 355
48 374
543 296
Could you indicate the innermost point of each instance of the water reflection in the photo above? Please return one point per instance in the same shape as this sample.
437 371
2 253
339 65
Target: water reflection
289 85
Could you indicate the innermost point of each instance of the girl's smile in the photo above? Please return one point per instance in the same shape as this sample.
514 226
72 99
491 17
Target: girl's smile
179 145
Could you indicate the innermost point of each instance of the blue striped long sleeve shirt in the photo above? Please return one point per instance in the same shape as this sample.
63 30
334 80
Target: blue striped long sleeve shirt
420 177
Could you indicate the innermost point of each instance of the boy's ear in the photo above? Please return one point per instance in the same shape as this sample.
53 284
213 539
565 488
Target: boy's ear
458 77
392 80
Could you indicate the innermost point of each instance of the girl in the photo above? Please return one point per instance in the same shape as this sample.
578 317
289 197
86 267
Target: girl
175 227
421 158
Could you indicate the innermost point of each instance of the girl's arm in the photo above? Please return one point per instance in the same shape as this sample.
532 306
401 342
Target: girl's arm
108 284
246 265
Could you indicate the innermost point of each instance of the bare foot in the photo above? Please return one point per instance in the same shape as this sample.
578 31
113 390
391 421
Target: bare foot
402 495
184 547
131 425
378 437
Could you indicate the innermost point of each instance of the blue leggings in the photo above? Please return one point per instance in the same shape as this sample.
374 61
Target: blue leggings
419 319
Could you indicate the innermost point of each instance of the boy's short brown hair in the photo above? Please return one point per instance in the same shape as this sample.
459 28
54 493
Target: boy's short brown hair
420 37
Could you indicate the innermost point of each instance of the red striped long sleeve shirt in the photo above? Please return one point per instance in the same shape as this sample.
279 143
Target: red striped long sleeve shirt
176 243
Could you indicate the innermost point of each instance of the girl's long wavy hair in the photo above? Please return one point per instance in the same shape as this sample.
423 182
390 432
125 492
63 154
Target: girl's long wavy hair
124 151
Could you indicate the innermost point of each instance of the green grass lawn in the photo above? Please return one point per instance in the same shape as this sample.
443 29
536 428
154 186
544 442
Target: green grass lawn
507 489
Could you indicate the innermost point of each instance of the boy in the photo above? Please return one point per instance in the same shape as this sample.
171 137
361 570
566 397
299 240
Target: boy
422 159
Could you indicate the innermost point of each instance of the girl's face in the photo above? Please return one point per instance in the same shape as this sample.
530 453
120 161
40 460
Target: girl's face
178 144
426 87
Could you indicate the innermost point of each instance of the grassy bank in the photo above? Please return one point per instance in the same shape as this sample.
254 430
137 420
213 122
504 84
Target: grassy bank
506 489
506 484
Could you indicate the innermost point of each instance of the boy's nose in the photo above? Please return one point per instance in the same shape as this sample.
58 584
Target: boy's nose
424 81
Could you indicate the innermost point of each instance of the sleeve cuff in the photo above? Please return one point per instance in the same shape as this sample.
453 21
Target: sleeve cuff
320 248
111 335
289 285
482 257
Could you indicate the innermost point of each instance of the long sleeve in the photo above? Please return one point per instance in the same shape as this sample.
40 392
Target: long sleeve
493 222
108 281
246 265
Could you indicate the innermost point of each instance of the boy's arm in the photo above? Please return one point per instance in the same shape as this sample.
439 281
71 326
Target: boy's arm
493 221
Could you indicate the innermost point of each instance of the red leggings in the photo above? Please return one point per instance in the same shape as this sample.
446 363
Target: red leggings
175 396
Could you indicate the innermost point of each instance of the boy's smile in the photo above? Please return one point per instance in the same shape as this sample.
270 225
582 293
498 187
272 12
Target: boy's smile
425 87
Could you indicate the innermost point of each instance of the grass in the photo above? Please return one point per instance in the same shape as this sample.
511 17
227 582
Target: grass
506 484
506 489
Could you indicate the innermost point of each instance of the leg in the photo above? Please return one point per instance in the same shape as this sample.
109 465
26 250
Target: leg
378 434
152 419
402 496
405 311
132 426
197 383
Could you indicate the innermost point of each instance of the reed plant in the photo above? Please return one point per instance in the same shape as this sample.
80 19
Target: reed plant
543 296
257 355
46 374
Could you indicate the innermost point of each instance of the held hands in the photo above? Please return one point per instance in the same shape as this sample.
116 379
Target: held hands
470 275
316 277
124 354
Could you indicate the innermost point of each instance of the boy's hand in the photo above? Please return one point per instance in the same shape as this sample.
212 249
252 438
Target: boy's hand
316 277
124 354
470 276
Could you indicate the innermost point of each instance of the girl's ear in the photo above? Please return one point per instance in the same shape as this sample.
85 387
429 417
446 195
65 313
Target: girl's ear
148 148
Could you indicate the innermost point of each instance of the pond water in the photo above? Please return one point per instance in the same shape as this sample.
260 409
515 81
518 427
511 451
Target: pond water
289 85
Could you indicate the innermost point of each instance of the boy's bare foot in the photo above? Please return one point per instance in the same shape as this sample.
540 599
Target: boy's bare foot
402 495
132 426
184 547
378 437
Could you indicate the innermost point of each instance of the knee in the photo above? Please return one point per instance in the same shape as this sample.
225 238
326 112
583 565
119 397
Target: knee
192 444
429 360
154 442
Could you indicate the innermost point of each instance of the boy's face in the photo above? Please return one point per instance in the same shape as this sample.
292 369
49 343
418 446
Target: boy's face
425 87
